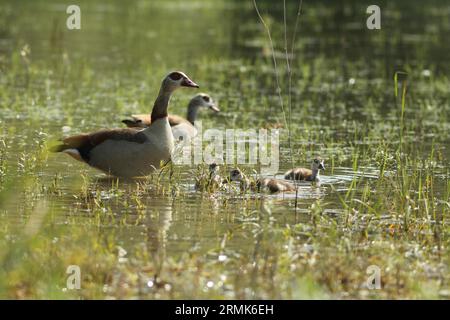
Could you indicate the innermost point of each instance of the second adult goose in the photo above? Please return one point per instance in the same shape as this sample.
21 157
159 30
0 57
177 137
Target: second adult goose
201 100
182 129
130 152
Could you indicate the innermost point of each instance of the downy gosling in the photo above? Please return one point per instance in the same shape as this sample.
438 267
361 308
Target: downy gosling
312 174
210 181
261 184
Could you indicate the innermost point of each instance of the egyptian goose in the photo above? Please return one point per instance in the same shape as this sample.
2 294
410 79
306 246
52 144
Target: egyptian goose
270 184
210 181
129 152
182 129
307 174
201 100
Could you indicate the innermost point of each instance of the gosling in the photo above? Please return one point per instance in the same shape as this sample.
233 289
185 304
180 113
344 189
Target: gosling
270 184
312 174
211 181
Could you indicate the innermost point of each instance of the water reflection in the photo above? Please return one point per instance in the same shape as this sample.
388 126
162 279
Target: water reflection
156 230
82 81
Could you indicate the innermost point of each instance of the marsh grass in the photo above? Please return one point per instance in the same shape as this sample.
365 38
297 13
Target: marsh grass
384 201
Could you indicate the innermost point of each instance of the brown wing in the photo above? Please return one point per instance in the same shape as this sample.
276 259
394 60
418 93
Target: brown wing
144 120
298 174
138 121
275 185
286 186
176 120
84 143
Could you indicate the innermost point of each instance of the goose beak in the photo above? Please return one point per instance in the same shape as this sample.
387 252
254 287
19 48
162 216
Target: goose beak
214 108
189 83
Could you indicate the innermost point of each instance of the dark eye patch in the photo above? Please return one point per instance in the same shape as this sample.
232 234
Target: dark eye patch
175 76
206 98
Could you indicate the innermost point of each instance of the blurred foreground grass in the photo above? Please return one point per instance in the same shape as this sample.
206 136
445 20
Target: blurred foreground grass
386 196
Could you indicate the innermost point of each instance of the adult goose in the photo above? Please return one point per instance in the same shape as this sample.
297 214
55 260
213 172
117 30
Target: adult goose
201 100
260 184
182 129
129 152
312 174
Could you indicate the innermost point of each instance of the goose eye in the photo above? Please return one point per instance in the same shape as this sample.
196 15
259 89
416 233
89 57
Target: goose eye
206 98
175 76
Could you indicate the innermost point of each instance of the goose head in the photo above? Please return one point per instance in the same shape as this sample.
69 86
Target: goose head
213 168
236 175
318 164
204 100
171 82
201 100
177 79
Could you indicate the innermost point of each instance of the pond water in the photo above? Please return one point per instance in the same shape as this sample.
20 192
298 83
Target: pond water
56 82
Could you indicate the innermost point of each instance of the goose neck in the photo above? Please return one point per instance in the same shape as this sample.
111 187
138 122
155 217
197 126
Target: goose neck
161 104
315 174
192 112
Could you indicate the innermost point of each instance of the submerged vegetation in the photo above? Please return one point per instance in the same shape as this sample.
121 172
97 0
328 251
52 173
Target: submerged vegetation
374 104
